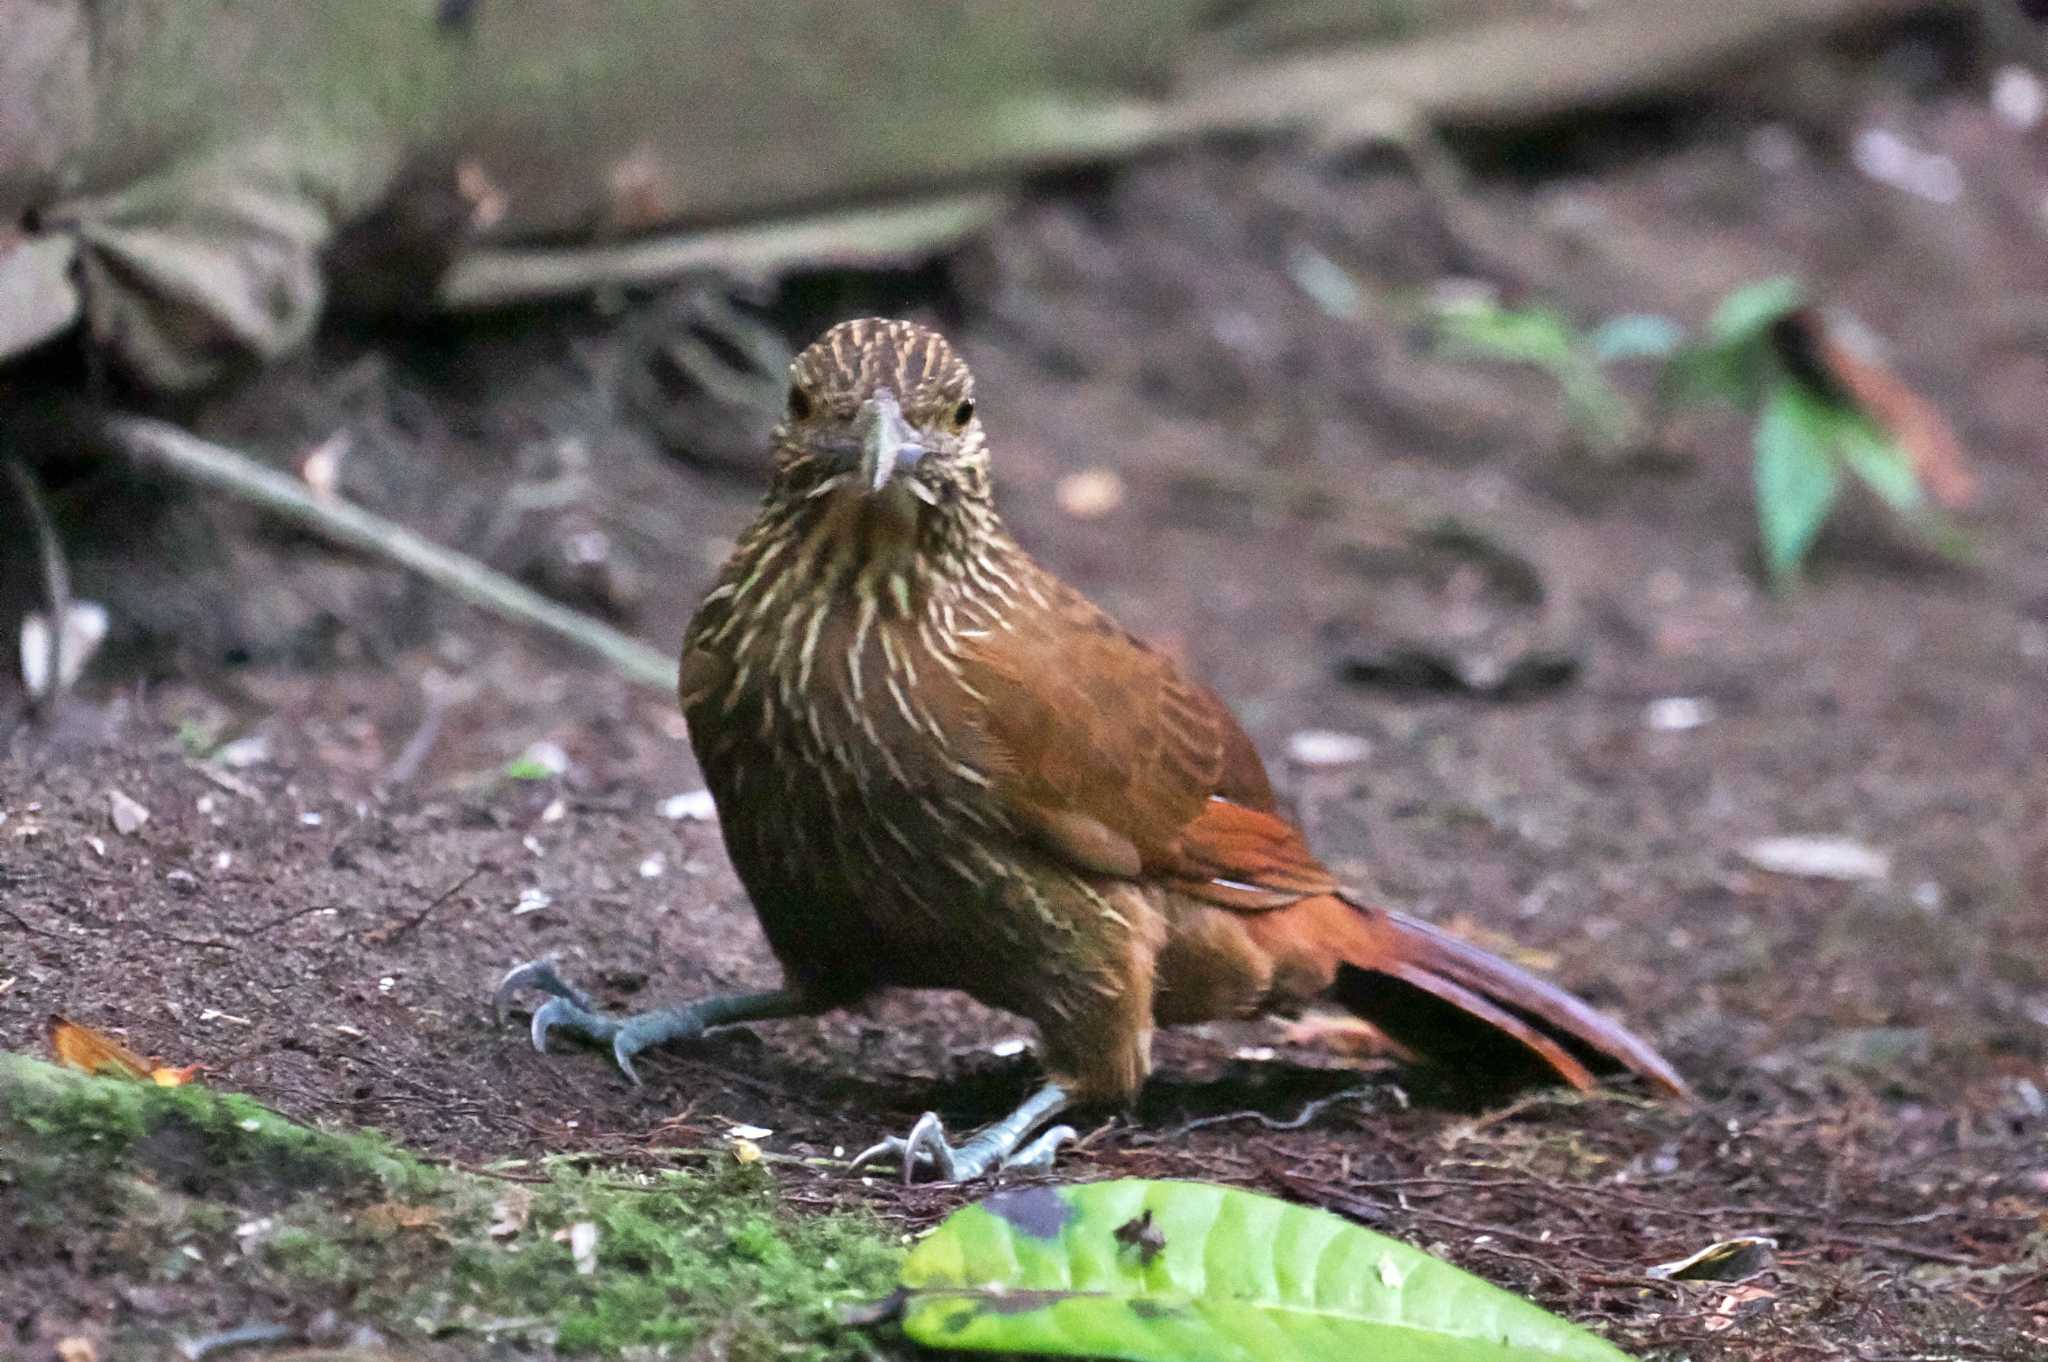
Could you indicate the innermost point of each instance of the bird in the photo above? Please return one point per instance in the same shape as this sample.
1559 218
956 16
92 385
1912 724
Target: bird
938 766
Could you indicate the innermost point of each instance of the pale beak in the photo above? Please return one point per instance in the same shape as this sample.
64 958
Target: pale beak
888 443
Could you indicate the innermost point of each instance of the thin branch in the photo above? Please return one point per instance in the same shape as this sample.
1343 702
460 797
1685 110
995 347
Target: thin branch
438 700
862 235
386 936
166 448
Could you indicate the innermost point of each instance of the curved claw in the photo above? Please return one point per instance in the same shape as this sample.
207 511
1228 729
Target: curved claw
927 1145
561 1012
926 1142
1037 1157
538 974
622 1055
571 1009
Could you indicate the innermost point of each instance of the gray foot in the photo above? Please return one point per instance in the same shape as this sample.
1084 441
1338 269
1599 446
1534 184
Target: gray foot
997 1147
570 1009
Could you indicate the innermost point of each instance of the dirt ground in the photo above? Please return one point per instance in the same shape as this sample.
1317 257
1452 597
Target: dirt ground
318 913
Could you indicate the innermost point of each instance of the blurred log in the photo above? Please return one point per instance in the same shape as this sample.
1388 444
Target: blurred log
223 173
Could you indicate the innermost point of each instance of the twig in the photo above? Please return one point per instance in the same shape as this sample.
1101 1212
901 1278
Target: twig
273 923
413 755
1900 1246
166 448
56 581
384 938
196 943
206 1345
1308 1113
24 924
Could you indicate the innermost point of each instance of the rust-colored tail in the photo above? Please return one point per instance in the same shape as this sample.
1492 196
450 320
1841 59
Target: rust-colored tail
1449 1000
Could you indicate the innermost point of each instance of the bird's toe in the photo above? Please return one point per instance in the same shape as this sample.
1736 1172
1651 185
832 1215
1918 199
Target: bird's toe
925 1145
539 975
1038 1156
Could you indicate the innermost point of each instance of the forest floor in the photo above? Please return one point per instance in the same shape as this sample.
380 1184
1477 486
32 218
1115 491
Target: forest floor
387 799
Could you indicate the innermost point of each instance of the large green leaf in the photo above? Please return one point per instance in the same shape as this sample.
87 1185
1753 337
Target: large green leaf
1192 1272
1797 474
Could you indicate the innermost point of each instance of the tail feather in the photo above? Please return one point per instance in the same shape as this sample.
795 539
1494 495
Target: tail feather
1436 994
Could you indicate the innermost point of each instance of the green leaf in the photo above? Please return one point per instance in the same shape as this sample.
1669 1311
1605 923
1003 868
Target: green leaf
1749 311
1191 1272
1879 462
1634 335
1528 335
526 768
1604 418
1714 373
1735 362
1797 475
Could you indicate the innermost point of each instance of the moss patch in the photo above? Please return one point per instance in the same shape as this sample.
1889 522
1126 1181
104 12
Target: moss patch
198 1188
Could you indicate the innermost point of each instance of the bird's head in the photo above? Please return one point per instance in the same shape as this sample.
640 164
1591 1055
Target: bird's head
883 411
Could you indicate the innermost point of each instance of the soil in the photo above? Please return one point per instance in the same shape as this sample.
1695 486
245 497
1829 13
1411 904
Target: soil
318 915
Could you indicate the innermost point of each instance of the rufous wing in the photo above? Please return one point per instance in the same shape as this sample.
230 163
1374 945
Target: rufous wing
1114 760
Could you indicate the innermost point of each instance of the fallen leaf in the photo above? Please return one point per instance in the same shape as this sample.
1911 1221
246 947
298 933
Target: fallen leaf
1730 1260
1730 1307
1040 1269
77 1348
244 752
746 1151
321 467
1819 858
486 201
128 815
581 1238
1678 714
1326 750
509 1213
1090 494
695 806
95 1052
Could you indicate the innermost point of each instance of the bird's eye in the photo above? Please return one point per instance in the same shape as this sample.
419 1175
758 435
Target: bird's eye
963 413
799 402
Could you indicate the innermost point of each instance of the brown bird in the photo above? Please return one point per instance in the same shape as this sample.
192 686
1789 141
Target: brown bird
937 766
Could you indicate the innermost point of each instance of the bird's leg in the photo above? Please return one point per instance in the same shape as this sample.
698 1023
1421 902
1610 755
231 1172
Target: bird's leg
570 1009
995 1147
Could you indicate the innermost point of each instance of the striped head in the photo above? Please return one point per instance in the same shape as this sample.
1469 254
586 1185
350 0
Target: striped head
883 410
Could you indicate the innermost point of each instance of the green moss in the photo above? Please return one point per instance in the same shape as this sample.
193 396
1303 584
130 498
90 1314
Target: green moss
683 1259
191 1138
180 1182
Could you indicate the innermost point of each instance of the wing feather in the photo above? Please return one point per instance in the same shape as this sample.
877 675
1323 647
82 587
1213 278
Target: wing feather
1112 759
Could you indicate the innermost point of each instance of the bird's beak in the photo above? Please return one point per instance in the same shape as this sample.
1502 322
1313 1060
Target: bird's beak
888 443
